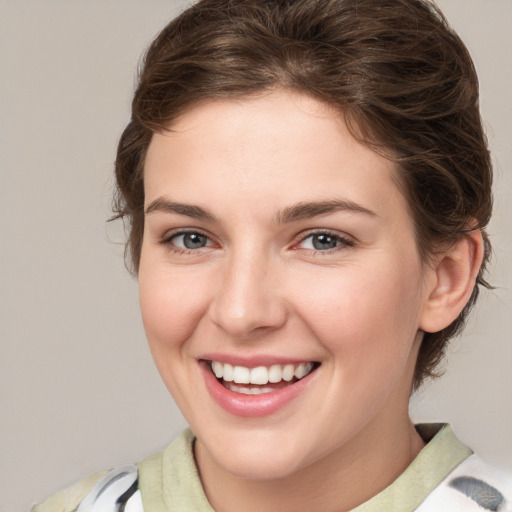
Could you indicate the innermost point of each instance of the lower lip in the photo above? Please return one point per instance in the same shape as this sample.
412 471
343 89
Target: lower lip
252 406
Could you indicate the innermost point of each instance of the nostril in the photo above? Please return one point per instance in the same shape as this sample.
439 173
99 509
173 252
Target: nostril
247 301
244 323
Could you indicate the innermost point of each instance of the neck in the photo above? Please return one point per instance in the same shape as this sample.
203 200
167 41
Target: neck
339 482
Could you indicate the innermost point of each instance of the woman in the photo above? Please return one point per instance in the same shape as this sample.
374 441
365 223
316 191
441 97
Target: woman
307 186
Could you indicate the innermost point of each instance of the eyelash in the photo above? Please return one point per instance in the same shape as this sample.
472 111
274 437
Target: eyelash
343 242
168 241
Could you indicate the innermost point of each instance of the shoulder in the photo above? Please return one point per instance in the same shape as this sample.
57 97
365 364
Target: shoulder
105 490
68 499
101 492
472 485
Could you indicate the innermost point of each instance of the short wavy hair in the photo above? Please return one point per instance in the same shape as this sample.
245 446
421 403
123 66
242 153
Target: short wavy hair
401 77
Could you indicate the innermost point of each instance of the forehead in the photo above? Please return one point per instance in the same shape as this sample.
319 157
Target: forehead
264 151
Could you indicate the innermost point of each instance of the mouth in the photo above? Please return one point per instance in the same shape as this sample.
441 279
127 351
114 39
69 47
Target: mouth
261 379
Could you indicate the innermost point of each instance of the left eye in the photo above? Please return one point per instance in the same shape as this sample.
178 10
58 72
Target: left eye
190 240
323 242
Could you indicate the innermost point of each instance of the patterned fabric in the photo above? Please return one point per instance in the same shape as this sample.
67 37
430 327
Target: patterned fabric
117 491
472 486
445 477
467 489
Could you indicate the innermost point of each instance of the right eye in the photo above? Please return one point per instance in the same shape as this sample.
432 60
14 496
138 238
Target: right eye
187 241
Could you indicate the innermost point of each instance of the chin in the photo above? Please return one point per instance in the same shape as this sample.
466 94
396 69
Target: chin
268 467
258 454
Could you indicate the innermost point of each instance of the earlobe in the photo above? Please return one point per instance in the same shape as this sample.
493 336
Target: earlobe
455 273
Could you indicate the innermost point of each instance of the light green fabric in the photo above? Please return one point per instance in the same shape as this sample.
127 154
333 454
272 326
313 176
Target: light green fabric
169 481
68 499
441 455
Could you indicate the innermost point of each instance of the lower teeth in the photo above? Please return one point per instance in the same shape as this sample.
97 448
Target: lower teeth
247 391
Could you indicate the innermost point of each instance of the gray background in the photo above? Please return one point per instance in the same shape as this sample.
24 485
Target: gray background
78 387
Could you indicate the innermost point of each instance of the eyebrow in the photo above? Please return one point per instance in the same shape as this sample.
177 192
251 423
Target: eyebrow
308 210
163 205
296 212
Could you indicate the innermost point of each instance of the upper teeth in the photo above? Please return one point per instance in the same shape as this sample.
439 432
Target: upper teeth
261 374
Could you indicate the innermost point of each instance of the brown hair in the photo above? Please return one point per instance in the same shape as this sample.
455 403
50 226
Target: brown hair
396 71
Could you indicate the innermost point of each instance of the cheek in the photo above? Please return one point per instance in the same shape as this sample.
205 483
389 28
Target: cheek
171 310
171 304
367 321
365 311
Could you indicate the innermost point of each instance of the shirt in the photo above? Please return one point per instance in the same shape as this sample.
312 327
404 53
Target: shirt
169 481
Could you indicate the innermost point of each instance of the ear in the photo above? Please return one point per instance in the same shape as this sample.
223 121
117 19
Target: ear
454 277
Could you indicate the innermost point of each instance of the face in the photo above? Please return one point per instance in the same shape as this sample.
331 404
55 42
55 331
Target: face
280 283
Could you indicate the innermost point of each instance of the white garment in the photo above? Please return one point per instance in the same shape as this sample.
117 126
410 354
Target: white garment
473 486
117 490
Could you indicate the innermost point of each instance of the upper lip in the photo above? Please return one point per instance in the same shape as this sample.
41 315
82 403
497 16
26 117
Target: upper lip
253 361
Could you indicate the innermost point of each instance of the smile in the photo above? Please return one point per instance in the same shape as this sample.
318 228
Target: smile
257 389
261 379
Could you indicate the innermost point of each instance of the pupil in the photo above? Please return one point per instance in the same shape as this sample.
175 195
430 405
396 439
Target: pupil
324 242
194 241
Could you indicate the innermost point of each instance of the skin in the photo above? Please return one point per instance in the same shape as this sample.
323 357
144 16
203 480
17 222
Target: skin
260 287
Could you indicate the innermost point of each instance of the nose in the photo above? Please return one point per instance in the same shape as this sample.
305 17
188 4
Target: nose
248 301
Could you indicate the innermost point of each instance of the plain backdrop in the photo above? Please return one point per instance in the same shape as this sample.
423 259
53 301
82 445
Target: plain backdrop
78 388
